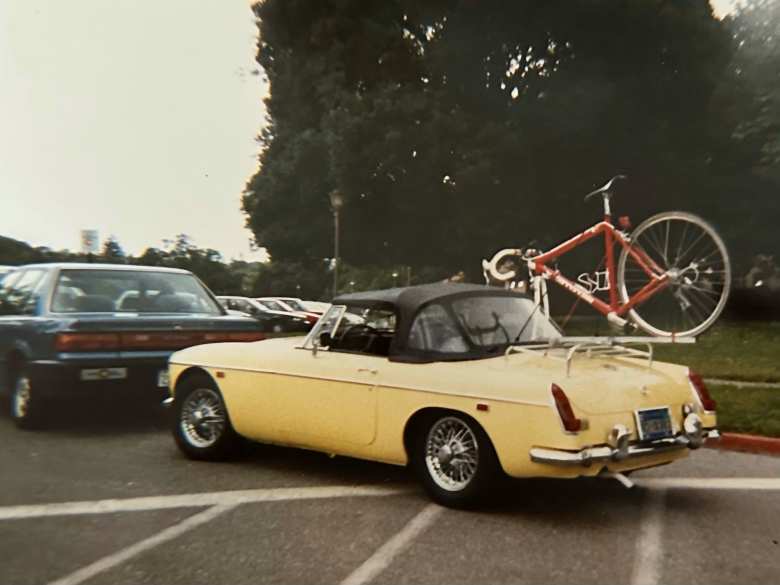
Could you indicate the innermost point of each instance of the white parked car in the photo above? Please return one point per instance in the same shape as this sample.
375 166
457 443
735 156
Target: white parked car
276 304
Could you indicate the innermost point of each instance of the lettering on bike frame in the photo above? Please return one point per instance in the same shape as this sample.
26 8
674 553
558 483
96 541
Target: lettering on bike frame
658 278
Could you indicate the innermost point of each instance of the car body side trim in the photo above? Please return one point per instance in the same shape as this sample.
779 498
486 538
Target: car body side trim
358 380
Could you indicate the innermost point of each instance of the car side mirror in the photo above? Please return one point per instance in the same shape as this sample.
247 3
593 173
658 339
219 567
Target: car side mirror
325 339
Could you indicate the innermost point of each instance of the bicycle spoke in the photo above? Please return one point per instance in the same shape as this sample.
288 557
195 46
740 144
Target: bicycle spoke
656 246
708 256
666 243
679 247
692 246
704 290
697 275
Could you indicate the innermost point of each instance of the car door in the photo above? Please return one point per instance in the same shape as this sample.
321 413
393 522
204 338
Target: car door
327 399
19 308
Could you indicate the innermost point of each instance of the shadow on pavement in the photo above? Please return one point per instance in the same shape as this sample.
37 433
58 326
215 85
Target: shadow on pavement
101 416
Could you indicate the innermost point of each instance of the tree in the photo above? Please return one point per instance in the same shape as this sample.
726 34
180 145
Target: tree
206 263
754 77
454 127
112 252
14 252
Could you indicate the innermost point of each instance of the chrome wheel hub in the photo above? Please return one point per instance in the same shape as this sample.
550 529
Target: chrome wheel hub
451 454
202 418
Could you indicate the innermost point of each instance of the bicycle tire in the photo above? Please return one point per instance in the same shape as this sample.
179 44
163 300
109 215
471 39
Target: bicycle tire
698 291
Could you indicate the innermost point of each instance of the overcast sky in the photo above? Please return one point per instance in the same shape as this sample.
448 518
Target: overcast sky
137 118
134 117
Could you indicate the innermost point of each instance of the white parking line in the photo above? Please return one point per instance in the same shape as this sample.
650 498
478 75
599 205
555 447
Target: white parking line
192 501
711 483
110 561
649 545
385 554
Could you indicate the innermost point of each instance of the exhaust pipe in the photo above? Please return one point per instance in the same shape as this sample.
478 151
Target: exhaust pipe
627 483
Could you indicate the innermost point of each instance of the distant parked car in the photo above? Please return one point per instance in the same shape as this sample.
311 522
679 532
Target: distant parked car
272 321
296 304
277 304
66 329
316 306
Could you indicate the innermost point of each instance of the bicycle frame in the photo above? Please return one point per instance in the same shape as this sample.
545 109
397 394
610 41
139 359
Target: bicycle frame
615 309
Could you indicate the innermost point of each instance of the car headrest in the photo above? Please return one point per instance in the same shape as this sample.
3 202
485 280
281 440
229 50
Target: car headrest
93 303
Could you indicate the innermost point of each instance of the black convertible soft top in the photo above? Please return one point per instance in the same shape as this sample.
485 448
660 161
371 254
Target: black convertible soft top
406 302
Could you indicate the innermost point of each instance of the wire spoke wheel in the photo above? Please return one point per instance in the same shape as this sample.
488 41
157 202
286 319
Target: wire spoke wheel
451 454
692 258
22 398
202 420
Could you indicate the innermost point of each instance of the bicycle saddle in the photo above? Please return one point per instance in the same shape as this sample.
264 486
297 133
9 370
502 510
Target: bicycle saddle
606 189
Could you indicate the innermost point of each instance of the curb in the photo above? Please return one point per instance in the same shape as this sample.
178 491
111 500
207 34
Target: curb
742 383
746 444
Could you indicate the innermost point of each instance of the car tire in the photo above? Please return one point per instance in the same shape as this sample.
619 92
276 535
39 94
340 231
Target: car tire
28 408
454 459
201 425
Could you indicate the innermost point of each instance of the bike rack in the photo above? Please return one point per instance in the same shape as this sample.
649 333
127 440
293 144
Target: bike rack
598 346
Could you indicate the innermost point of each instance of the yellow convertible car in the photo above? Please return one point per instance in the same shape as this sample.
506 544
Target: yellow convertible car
462 382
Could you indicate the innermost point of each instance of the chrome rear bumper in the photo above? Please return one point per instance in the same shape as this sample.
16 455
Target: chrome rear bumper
606 453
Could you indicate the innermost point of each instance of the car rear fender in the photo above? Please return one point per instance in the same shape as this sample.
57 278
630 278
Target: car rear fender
417 422
14 360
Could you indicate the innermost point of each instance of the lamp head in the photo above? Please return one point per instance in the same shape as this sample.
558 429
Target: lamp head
336 199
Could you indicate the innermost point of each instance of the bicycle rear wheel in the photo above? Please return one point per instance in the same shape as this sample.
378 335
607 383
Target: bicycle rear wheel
692 255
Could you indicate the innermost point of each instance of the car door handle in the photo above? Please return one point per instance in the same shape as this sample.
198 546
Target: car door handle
368 370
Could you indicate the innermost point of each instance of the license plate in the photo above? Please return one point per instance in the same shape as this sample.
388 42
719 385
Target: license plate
162 379
654 423
98 374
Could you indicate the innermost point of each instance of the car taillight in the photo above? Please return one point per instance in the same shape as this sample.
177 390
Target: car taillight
311 318
244 336
160 340
70 342
706 400
570 422
148 340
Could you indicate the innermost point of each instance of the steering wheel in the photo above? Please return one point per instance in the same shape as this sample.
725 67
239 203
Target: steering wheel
357 329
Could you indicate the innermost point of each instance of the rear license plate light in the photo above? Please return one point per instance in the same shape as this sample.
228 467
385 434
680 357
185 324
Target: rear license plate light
163 379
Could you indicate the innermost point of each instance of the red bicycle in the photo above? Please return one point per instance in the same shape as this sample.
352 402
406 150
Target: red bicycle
672 277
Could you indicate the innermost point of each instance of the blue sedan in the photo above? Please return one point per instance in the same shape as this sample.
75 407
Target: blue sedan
68 329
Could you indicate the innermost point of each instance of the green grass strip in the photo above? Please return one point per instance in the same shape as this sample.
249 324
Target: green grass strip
747 410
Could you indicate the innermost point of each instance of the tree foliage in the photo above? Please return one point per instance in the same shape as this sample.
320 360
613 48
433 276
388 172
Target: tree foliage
755 73
233 278
112 251
206 263
454 127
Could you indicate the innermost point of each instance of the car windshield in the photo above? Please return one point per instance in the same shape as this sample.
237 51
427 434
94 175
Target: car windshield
128 291
294 304
479 324
273 305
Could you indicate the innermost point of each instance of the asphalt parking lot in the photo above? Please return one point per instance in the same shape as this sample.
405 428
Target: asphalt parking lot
105 497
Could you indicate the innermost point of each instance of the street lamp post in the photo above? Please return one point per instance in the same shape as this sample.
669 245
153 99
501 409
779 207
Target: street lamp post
336 203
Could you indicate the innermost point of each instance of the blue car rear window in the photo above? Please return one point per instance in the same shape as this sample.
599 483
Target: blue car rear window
128 291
